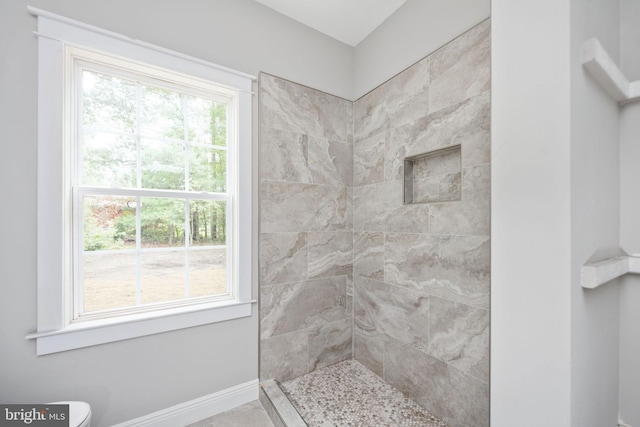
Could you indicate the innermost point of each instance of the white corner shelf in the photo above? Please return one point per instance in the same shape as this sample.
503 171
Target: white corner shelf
598 273
605 71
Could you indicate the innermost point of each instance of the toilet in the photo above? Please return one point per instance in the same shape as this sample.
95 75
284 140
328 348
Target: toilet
79 413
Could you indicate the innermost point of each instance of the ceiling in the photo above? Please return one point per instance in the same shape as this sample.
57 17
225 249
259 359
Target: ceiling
349 21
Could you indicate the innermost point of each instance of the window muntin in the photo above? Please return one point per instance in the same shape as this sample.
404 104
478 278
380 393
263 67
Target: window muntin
152 188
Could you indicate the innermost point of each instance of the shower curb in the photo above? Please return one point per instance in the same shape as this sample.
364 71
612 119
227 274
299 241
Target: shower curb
278 407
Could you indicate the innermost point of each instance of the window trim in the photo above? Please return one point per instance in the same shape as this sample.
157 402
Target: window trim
55 332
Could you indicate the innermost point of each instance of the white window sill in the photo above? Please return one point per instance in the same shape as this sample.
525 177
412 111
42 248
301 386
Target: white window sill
95 332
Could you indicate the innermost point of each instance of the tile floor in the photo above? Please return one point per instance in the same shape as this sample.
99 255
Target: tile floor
348 394
251 414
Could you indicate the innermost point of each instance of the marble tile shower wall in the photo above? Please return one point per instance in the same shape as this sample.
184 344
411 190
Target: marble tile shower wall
421 271
347 269
306 229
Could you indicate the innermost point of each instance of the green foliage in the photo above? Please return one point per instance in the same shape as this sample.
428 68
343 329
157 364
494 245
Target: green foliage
95 238
172 131
125 225
208 223
162 222
101 215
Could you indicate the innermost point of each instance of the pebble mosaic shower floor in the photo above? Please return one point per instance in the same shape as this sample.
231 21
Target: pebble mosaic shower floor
348 394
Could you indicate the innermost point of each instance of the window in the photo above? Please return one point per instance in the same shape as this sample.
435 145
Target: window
150 188
144 182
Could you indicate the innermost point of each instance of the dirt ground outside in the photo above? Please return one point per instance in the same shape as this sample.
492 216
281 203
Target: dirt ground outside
110 278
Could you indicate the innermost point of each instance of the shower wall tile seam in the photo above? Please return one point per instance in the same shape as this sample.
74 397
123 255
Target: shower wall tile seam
371 184
428 353
353 238
473 165
375 135
283 335
476 166
429 234
445 234
377 132
289 232
423 234
429 350
308 279
353 328
294 132
302 305
432 295
308 332
431 113
461 372
303 183
305 330
308 261
427 293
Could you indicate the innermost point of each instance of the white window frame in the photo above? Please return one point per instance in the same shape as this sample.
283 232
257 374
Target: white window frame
55 330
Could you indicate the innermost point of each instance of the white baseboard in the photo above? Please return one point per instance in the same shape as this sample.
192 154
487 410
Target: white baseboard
198 409
622 424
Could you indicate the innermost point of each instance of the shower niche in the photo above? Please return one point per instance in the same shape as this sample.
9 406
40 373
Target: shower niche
434 176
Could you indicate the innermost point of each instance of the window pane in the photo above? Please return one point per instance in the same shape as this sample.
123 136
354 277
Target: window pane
207 272
207 222
108 103
207 121
207 169
109 280
109 159
161 114
219 124
162 276
162 222
109 222
162 165
200 120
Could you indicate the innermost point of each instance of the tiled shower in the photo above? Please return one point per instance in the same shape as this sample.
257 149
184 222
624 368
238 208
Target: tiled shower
374 230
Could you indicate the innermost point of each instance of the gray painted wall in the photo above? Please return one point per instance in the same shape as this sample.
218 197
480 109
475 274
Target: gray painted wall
530 214
630 212
131 378
415 30
555 206
595 220
240 34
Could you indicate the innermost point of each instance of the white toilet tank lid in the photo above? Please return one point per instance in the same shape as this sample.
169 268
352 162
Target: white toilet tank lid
78 411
